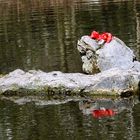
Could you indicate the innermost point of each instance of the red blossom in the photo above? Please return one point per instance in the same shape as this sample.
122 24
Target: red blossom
95 35
107 37
103 113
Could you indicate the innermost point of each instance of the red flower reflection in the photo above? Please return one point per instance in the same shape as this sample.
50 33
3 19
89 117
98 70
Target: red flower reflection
103 113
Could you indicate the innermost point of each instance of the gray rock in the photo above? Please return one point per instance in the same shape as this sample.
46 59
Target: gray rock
120 74
111 82
108 55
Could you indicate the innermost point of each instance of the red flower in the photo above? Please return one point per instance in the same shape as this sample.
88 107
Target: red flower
107 37
94 35
103 113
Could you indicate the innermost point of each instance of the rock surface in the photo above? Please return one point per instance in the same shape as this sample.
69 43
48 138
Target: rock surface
106 56
118 73
112 82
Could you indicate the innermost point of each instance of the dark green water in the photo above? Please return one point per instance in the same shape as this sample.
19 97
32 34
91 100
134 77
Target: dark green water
42 34
69 121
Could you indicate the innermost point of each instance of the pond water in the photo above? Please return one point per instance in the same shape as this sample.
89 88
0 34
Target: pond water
74 120
42 34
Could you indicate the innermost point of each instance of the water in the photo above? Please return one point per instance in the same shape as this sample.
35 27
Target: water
42 34
70 121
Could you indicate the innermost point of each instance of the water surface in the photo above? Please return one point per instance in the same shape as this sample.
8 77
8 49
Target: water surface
69 121
42 34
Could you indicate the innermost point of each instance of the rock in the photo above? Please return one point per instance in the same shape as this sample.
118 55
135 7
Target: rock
109 55
118 73
114 60
110 82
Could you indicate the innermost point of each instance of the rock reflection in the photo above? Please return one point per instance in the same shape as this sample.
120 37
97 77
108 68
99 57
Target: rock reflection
25 120
100 108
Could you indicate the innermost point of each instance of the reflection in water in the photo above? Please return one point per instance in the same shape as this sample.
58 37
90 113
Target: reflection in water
106 107
66 121
42 34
